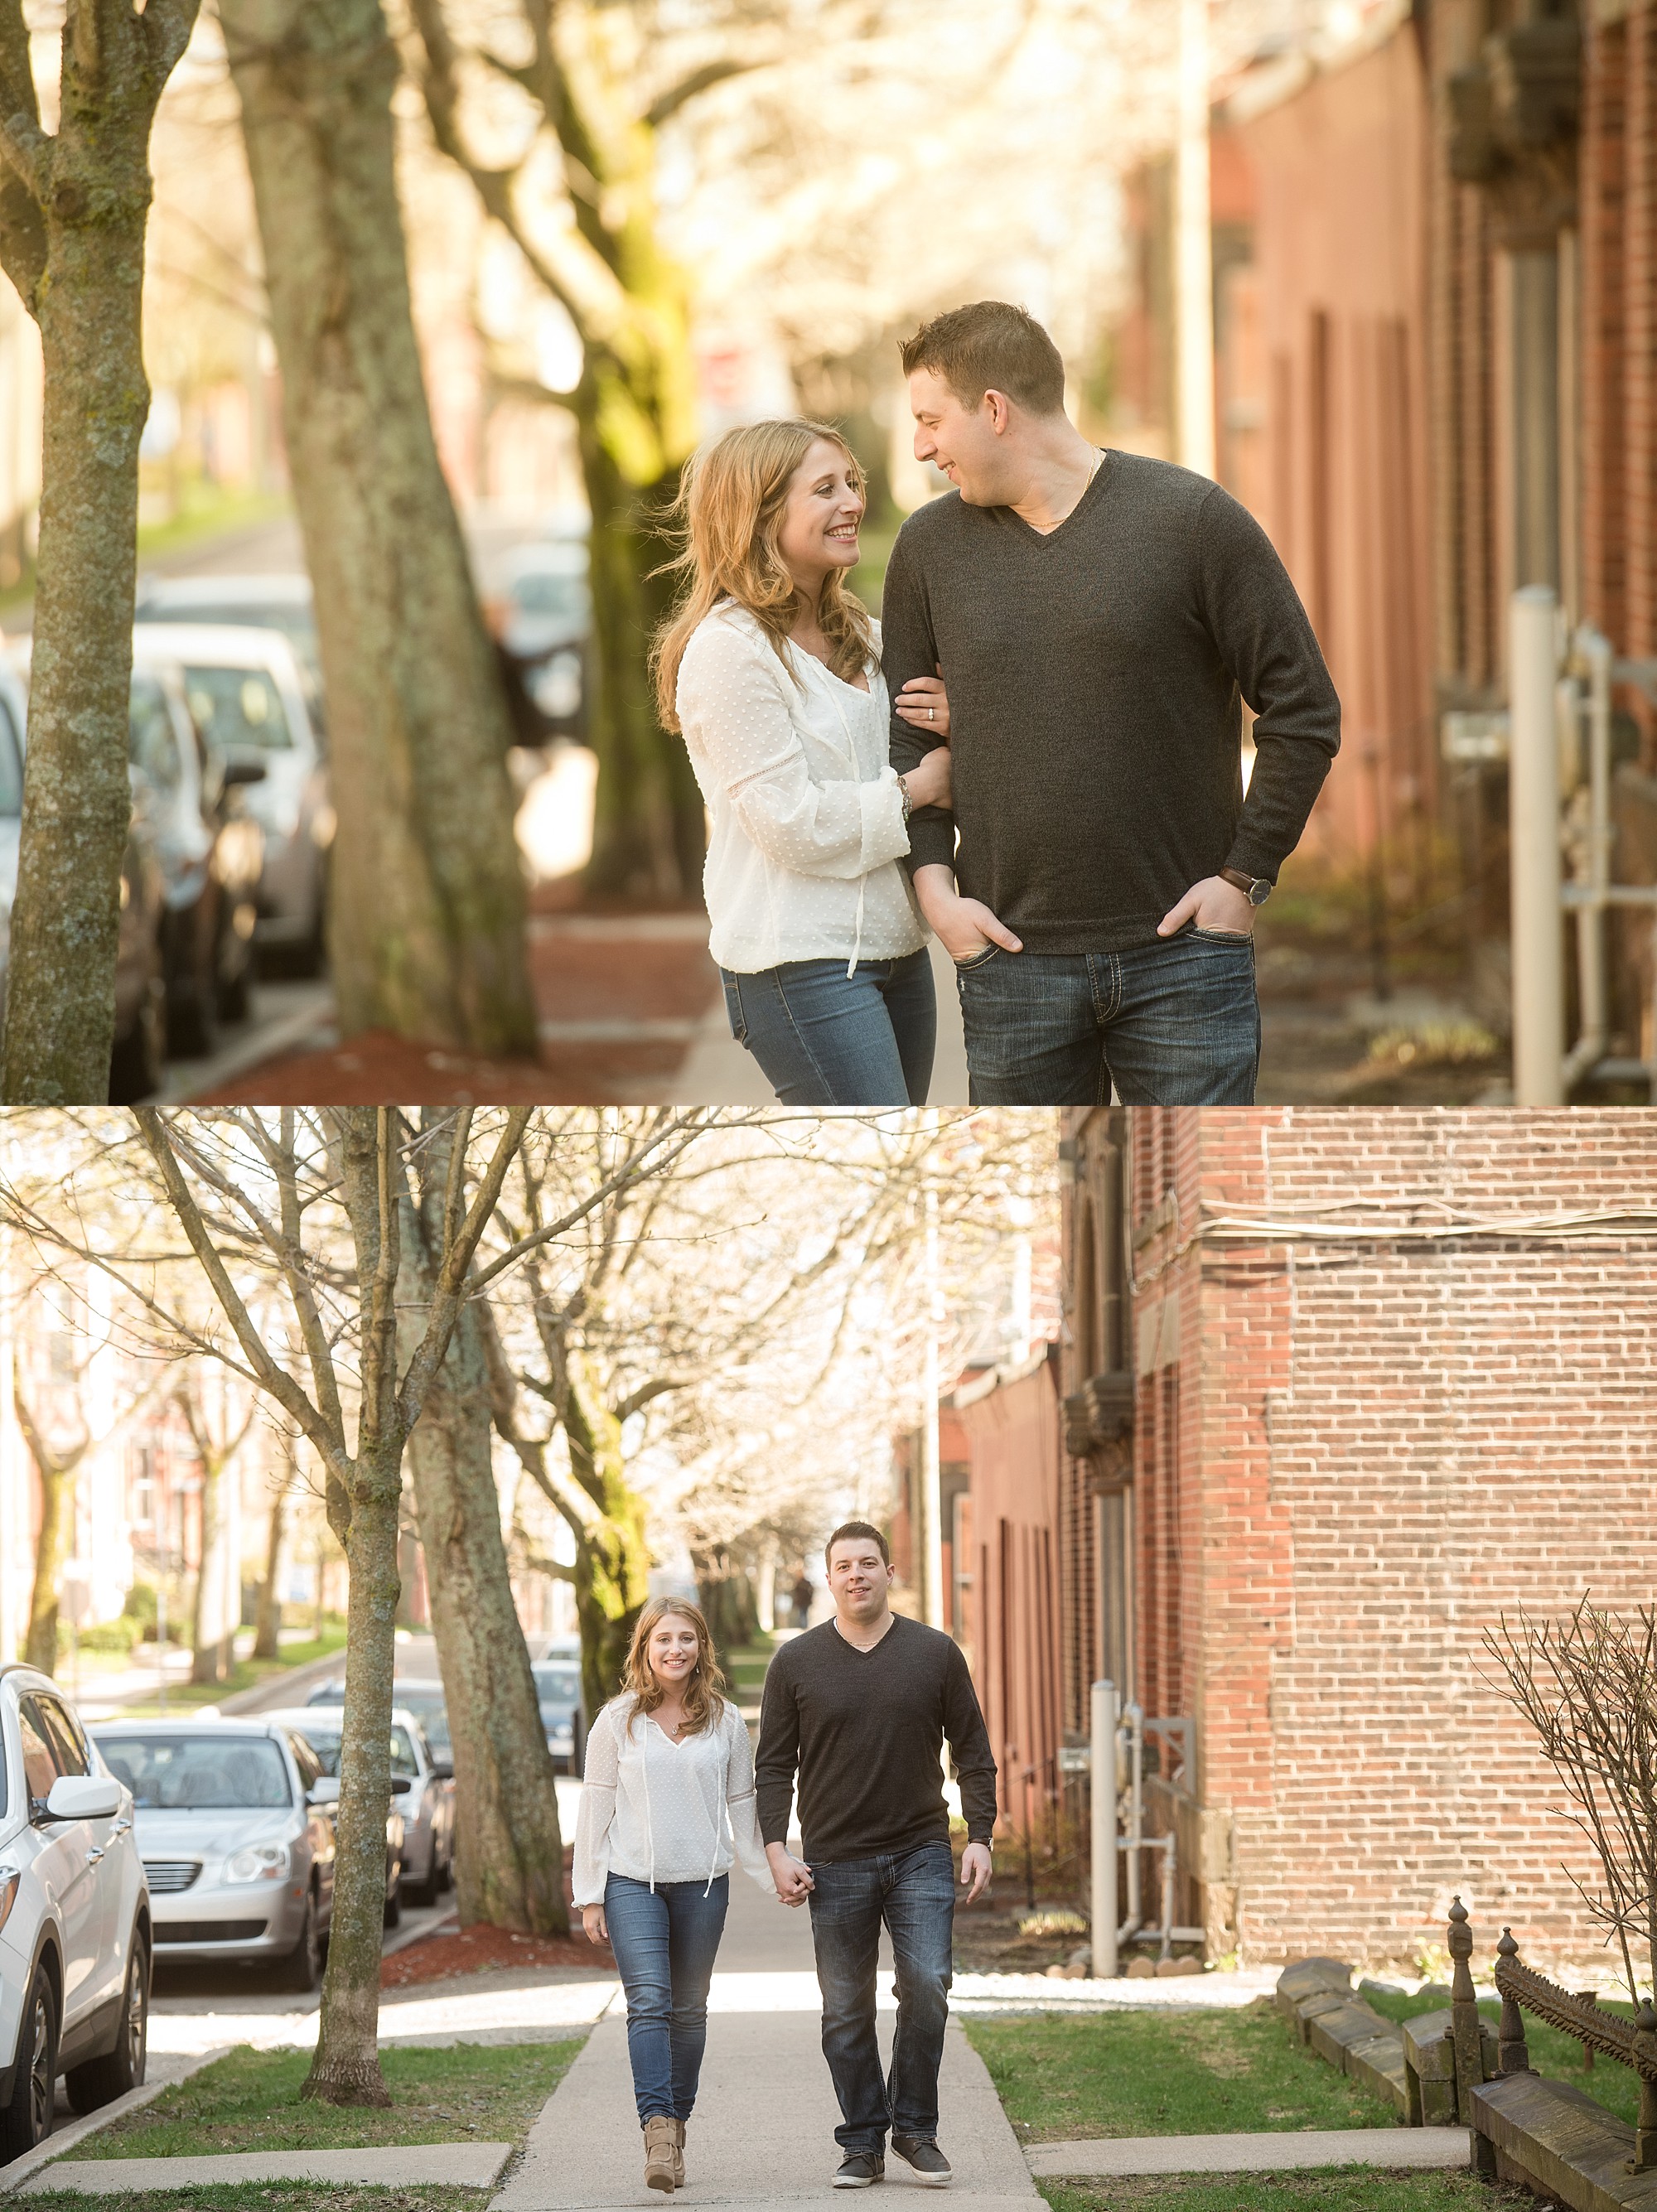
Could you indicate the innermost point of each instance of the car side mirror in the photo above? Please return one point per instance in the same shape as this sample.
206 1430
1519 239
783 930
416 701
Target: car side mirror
84 1797
443 1770
242 771
326 1792
401 1785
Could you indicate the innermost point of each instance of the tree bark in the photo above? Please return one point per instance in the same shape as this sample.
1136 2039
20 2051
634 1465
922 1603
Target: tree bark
267 1634
509 1860
73 212
346 2070
426 919
57 1487
612 1558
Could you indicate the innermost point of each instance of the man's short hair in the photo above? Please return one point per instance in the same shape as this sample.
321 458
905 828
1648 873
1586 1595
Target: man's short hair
864 1529
991 347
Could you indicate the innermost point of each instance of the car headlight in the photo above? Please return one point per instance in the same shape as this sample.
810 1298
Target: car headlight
259 1862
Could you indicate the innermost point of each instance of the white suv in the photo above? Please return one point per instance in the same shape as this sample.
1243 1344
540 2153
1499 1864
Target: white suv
75 1941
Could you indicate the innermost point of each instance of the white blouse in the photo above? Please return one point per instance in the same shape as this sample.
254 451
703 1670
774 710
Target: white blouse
659 1811
806 816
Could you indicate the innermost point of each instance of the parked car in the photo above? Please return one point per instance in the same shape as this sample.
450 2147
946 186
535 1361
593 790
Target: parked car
422 1784
74 1917
545 602
276 602
422 1698
211 852
558 1688
235 1827
248 699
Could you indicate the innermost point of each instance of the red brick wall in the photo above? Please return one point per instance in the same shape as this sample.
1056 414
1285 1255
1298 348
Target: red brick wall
1381 1444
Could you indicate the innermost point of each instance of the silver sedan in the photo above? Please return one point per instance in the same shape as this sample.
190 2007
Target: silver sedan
422 1791
237 1839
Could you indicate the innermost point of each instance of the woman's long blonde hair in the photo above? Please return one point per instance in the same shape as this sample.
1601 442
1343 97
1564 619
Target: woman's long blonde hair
704 1691
729 514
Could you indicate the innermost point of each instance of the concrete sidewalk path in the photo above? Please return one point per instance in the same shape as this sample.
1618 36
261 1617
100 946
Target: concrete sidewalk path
464 2166
1391 2147
763 2130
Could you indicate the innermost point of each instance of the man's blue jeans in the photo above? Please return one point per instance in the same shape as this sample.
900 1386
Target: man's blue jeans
825 1038
665 1940
1172 1023
913 1892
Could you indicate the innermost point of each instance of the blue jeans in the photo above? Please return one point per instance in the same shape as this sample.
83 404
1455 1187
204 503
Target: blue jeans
665 1940
913 1892
1172 1023
824 1038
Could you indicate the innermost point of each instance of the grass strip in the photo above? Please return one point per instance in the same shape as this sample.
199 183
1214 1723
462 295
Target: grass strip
249 2100
1318 2189
1173 2074
265 2196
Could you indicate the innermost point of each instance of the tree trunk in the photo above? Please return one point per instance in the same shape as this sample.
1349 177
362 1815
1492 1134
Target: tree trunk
57 1491
509 1860
77 802
649 820
427 919
346 2070
267 1634
209 1634
612 1560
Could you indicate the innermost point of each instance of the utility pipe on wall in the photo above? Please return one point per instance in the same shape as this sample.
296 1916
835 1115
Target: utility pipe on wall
1102 1717
1539 967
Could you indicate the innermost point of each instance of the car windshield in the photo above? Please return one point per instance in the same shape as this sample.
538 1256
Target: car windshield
547 592
557 1686
324 1740
236 708
428 1709
295 621
151 745
201 1774
11 766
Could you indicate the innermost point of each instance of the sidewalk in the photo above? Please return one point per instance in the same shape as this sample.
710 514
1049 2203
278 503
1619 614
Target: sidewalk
764 2130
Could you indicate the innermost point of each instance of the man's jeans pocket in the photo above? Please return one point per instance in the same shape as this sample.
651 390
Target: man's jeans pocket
978 960
1222 936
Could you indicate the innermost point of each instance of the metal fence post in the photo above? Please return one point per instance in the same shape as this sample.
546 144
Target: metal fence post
1106 1703
1538 931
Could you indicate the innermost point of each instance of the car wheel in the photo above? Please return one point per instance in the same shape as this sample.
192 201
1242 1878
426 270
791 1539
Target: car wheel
192 1010
393 1914
301 1969
136 1063
444 1877
100 2081
235 979
25 2116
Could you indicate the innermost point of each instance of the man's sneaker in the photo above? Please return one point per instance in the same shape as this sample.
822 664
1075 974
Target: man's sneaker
858 2168
931 2168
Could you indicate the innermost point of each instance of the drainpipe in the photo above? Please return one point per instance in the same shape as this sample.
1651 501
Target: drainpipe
1593 872
1538 980
1104 1718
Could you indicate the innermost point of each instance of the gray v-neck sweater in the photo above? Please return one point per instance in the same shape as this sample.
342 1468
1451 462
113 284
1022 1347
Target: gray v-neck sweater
1095 679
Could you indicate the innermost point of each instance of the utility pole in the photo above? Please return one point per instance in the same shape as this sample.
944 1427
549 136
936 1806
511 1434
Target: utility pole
1193 251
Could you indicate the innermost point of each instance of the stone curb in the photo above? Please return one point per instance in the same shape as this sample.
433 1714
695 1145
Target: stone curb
175 2071
451 2165
1389 2147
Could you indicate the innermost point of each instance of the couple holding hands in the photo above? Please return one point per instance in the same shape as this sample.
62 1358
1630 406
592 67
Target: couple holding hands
858 1709
1037 755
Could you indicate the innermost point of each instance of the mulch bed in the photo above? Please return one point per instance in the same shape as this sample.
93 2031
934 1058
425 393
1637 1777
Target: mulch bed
477 1950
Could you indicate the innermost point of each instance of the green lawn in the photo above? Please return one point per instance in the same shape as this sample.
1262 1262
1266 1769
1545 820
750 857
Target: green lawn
184 1698
250 2100
1150 2074
1332 2190
265 2196
1559 2056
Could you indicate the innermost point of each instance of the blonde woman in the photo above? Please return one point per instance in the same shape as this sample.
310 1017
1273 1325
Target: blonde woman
771 670
667 1807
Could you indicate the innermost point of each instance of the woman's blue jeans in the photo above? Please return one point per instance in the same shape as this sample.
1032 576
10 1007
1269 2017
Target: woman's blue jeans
665 1940
825 1038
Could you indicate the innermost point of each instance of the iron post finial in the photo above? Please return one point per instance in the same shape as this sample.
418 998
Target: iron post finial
1507 1946
1458 1910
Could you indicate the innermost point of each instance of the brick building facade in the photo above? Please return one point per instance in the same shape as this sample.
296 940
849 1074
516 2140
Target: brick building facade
1346 1386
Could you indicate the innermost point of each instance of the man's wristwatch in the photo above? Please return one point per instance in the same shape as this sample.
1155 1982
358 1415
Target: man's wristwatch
1255 889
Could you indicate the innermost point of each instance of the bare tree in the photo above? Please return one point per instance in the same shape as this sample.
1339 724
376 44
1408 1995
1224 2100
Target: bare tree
267 1632
73 208
1587 1685
427 895
218 1437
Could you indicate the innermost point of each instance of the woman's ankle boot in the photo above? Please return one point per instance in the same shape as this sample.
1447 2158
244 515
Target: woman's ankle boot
678 2154
660 2153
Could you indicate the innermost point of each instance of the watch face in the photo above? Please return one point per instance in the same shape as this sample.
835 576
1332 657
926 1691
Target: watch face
1259 891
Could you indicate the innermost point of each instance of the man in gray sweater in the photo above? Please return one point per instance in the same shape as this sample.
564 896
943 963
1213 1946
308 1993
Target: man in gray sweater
1099 619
